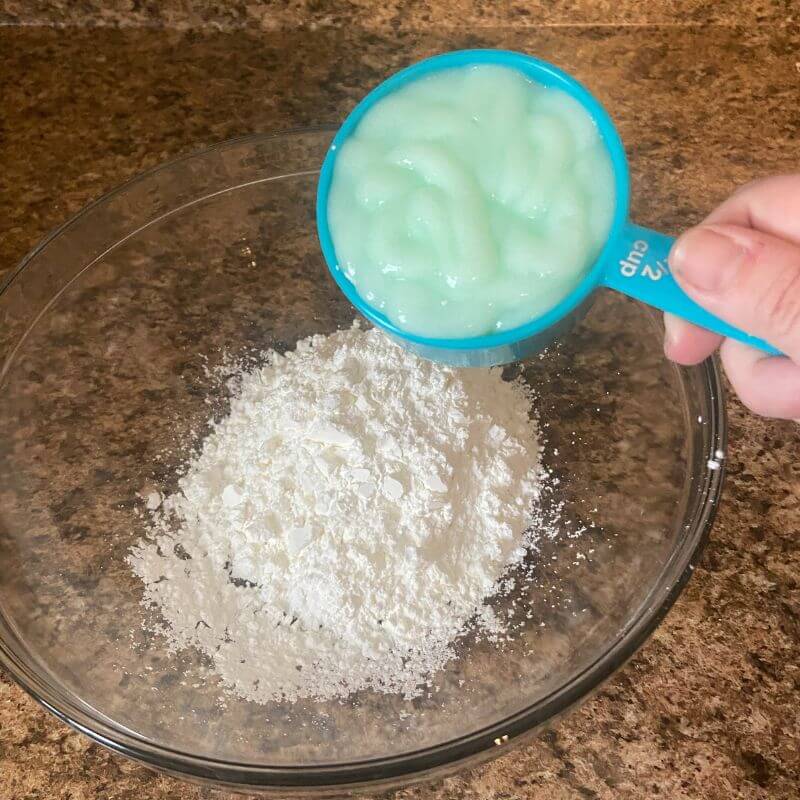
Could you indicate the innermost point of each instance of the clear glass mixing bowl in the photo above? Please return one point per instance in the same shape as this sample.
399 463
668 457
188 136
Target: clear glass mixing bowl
106 331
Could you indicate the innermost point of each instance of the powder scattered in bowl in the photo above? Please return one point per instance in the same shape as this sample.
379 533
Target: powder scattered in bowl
347 520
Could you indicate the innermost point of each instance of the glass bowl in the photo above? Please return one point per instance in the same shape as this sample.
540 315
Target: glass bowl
106 333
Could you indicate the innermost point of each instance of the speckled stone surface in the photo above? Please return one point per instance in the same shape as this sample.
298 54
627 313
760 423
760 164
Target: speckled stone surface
710 707
283 14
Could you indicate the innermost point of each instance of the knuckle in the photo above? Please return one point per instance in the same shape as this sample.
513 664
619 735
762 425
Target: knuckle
764 404
751 394
750 186
765 184
754 402
782 306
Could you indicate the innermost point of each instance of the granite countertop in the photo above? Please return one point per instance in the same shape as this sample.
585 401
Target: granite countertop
705 99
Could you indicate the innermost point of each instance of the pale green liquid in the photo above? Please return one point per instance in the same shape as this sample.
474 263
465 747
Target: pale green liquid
470 202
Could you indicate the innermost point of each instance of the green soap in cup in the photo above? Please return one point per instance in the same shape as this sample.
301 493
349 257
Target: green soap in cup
472 203
469 200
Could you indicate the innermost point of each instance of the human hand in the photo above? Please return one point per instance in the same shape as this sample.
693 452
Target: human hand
742 263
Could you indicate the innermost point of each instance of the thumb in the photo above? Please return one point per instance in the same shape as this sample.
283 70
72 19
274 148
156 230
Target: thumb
747 278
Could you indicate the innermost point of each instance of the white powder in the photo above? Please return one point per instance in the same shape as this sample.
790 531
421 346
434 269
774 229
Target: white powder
346 521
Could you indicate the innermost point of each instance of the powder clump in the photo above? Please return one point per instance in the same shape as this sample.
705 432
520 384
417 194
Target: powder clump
346 521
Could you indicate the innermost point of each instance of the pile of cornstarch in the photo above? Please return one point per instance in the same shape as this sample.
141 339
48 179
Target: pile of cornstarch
346 522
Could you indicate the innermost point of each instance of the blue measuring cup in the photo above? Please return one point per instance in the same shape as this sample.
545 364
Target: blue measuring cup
633 260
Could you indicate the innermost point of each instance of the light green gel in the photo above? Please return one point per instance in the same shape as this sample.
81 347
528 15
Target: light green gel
470 201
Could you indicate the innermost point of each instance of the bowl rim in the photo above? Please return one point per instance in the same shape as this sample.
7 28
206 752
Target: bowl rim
411 765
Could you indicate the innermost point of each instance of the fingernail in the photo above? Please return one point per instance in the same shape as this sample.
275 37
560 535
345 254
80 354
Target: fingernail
672 328
705 259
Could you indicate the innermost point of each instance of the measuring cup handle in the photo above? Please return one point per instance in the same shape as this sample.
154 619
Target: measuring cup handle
638 267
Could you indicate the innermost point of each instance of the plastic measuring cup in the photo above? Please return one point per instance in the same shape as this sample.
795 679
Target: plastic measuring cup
633 260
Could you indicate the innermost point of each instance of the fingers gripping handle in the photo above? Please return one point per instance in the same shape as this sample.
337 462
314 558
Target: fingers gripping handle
639 269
